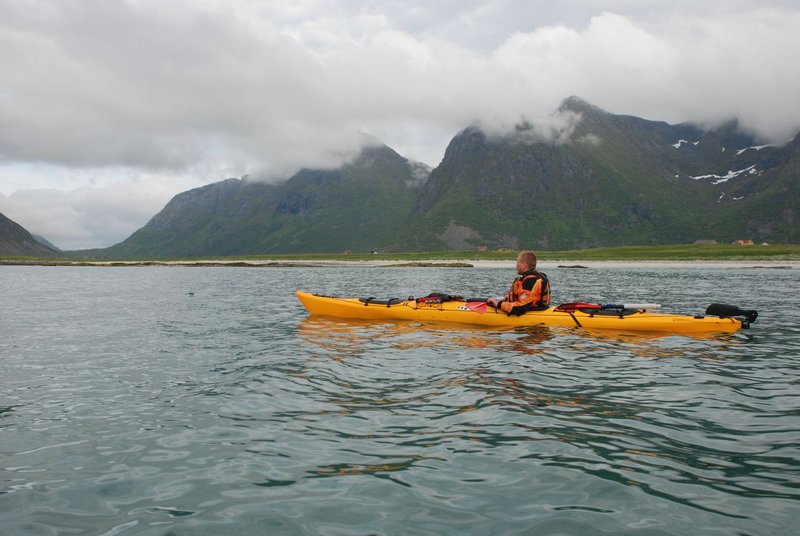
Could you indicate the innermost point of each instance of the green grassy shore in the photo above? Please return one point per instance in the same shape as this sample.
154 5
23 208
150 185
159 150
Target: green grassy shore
681 252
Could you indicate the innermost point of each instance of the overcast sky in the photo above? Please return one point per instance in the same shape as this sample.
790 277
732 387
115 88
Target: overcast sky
108 108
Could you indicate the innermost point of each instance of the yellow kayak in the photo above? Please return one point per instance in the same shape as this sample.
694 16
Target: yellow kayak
718 318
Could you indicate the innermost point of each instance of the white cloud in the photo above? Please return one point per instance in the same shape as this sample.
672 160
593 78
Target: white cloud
92 216
191 91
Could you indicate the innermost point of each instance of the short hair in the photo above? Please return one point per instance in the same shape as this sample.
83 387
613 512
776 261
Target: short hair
529 258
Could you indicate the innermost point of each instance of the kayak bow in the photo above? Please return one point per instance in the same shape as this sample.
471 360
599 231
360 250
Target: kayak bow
461 311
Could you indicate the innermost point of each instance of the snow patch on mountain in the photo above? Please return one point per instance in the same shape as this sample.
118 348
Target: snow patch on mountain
755 148
682 142
750 170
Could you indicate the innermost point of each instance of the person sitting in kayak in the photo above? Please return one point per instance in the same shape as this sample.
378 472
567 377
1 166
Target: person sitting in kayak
529 292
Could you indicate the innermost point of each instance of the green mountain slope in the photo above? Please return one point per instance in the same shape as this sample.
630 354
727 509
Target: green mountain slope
16 241
356 207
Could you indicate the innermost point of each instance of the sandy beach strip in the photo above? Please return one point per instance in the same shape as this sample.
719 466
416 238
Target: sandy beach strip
503 264
682 264
508 264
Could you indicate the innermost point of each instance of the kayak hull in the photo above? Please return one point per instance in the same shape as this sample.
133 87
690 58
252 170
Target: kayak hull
461 312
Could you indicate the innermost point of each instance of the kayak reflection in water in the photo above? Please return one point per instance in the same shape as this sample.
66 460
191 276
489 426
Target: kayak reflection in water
529 292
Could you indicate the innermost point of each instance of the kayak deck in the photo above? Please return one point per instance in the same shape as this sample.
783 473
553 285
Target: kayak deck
462 312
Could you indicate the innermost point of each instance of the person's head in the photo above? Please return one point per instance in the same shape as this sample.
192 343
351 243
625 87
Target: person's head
526 261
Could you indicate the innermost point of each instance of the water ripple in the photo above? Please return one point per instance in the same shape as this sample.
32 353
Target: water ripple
144 410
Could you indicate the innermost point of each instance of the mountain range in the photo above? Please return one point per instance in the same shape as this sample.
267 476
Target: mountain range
615 180
590 179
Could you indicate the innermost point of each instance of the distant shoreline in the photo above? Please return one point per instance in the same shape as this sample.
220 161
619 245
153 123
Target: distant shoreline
432 263
699 255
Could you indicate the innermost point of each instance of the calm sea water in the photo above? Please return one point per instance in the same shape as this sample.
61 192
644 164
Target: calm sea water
204 401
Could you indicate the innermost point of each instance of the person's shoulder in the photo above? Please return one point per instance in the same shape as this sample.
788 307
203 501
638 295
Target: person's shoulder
529 282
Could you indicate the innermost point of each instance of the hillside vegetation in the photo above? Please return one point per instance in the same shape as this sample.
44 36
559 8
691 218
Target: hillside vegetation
689 252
